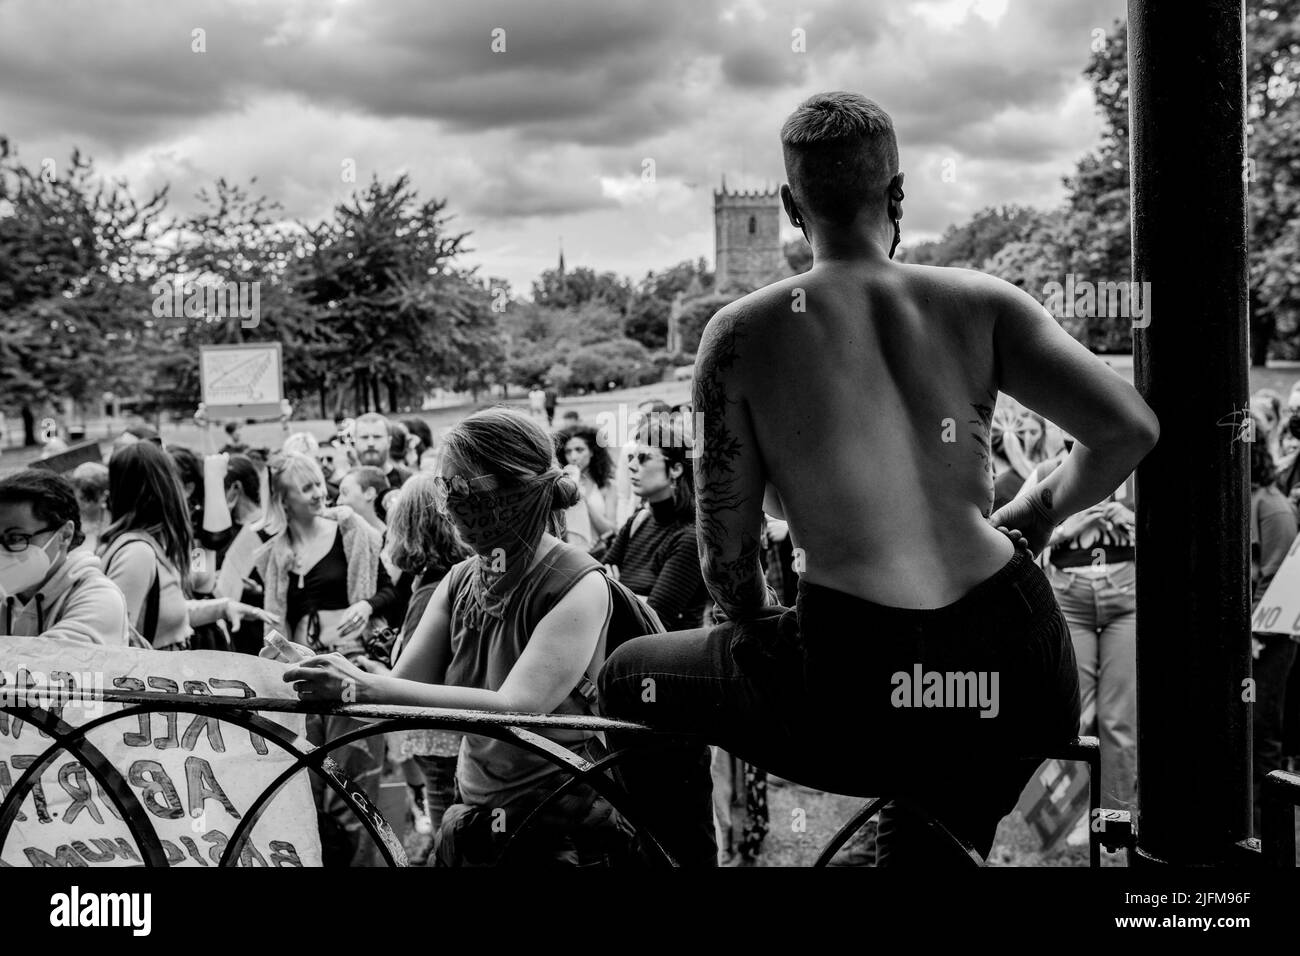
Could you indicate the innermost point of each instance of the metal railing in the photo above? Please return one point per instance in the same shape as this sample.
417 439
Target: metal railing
1277 817
521 730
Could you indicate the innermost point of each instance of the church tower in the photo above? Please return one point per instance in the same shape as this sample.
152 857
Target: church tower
747 238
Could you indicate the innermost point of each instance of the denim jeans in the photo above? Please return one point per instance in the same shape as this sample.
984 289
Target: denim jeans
1100 605
815 694
439 784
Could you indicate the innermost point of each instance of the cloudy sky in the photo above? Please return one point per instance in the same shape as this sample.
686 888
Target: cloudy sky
549 137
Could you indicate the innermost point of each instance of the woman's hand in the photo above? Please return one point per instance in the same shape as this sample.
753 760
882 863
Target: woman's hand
612 571
276 647
356 617
1117 514
329 677
1076 524
236 611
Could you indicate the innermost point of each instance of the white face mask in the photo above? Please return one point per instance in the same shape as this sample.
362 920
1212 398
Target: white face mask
22 572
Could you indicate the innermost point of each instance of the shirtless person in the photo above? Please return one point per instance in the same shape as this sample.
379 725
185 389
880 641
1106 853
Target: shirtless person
904 572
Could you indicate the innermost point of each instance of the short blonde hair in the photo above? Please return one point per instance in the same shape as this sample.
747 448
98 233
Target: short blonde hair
287 471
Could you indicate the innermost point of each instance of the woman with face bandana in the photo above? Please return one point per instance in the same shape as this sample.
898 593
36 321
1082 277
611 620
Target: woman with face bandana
520 626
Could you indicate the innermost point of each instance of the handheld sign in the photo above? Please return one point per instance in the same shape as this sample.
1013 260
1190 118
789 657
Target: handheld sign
65 461
242 381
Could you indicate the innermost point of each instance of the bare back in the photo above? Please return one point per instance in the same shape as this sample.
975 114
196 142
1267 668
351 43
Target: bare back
871 412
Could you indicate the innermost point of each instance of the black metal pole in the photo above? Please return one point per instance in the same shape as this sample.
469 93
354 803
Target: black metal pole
1187 129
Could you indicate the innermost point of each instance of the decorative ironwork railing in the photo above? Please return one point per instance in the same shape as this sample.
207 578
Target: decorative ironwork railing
521 730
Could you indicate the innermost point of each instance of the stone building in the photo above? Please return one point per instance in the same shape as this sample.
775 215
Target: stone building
747 239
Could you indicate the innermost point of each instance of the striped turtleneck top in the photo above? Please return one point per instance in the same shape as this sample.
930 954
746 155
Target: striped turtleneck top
658 557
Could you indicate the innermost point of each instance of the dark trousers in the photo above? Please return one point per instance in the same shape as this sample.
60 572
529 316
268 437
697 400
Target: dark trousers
580 828
1272 670
823 695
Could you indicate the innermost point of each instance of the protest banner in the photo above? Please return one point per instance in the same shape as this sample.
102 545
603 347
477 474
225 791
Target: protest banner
194 775
1279 609
1054 800
241 381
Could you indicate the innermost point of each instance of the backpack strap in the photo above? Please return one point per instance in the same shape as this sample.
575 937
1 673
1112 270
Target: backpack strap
628 617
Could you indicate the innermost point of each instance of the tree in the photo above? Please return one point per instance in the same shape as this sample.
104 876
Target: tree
576 287
238 237
695 317
1273 172
1097 227
76 254
621 361
1098 217
974 242
653 302
381 271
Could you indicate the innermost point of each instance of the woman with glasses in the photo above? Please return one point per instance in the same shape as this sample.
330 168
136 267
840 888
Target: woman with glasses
48 586
149 552
656 553
520 626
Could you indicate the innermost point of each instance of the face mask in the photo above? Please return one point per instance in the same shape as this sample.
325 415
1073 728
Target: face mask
503 528
22 572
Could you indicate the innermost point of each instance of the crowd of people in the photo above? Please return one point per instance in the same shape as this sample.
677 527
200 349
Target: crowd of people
514 566
351 546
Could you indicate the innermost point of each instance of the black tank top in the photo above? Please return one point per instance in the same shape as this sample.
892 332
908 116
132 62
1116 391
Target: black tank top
325 586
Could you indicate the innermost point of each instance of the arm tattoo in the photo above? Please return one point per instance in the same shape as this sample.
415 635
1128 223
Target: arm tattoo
733 574
735 585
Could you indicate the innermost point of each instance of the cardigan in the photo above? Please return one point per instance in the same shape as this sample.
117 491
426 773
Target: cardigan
361 544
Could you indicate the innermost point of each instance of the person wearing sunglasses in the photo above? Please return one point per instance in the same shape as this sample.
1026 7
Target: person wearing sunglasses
518 627
656 553
46 588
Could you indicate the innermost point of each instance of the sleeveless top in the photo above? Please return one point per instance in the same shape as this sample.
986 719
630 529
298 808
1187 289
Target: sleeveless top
325 585
491 772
